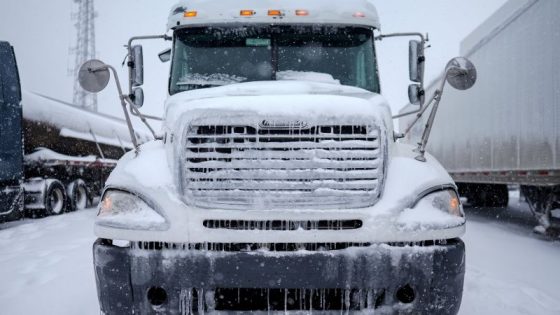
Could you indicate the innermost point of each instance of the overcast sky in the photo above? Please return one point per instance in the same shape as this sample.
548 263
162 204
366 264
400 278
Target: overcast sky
42 33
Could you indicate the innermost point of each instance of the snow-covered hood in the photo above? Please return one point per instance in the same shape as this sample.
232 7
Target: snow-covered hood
311 101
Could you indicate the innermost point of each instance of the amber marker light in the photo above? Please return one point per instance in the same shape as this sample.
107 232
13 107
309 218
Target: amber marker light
454 206
247 13
190 14
274 13
302 12
106 206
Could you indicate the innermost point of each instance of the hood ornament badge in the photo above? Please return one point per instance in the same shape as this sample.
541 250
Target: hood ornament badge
278 124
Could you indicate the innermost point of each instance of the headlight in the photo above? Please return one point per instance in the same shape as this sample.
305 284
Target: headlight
124 210
437 210
444 200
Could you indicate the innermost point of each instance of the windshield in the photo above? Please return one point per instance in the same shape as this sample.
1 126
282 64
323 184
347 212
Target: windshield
208 57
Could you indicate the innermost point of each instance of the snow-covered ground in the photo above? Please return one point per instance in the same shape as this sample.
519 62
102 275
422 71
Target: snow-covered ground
46 265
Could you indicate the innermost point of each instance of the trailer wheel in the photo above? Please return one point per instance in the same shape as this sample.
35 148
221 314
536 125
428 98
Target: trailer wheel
541 201
78 197
55 198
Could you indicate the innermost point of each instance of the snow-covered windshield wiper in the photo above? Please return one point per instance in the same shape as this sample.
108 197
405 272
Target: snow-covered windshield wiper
197 80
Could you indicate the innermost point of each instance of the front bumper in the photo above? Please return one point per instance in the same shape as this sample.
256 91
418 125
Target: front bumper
429 279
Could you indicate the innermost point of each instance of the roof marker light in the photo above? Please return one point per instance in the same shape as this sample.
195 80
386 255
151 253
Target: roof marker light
274 13
190 14
359 15
302 12
247 12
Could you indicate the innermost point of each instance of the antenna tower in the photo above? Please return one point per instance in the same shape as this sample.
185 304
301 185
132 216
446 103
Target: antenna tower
84 50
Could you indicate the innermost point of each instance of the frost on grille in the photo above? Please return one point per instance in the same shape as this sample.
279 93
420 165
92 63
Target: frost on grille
303 167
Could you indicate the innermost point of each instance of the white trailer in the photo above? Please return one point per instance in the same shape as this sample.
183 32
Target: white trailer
506 130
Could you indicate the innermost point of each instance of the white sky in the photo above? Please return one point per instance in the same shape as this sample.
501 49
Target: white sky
42 33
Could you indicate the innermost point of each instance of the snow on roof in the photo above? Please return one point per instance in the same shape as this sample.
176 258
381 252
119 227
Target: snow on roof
74 121
208 12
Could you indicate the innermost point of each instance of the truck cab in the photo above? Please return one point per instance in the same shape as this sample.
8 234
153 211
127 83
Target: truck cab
278 184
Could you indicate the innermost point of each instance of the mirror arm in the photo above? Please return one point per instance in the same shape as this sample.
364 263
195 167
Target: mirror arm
123 104
129 56
134 111
421 149
423 38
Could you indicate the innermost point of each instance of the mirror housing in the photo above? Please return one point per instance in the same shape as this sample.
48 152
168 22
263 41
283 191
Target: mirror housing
137 65
137 97
94 76
460 73
416 94
165 55
416 60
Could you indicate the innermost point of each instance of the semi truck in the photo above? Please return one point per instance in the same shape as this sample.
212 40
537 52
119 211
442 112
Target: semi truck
506 130
276 184
54 156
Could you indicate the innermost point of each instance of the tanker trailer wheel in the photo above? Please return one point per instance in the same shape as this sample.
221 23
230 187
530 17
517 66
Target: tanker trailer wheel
78 197
55 197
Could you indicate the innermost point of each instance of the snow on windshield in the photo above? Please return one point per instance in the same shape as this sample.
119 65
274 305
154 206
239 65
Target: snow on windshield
209 79
306 76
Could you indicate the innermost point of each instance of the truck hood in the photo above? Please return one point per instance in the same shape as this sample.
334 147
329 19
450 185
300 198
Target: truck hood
274 99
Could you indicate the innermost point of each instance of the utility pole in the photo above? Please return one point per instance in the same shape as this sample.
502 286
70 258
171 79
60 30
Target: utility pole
84 50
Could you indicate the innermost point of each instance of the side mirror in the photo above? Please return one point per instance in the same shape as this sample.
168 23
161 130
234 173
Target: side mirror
416 61
460 73
416 94
165 55
94 76
137 68
137 97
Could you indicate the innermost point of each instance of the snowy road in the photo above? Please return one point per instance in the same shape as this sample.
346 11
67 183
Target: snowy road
46 266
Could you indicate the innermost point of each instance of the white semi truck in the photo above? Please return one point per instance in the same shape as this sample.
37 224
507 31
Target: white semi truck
277 184
506 130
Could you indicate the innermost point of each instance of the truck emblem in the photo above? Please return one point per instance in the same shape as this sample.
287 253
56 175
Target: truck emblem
275 124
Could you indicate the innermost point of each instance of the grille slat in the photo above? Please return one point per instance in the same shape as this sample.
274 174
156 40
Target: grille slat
245 167
284 175
285 145
286 185
299 154
284 165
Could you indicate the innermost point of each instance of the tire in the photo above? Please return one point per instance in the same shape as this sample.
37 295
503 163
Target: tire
78 196
55 198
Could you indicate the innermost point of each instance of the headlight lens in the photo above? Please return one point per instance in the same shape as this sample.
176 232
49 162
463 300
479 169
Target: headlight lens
444 200
438 210
124 210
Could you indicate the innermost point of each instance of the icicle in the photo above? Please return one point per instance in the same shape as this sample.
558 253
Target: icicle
347 300
285 301
200 306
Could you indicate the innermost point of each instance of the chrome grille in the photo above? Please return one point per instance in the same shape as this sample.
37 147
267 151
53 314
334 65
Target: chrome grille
247 167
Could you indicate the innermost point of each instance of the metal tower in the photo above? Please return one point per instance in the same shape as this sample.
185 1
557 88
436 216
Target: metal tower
84 50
